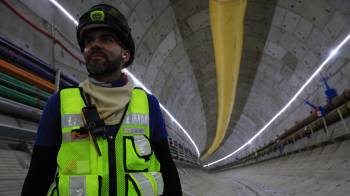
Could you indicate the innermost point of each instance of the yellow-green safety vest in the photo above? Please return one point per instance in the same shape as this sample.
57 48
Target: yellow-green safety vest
127 165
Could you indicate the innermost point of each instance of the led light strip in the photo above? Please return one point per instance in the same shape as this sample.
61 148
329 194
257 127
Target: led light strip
137 82
331 55
65 12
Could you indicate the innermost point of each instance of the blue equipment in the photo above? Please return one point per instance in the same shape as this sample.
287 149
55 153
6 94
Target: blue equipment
320 111
329 92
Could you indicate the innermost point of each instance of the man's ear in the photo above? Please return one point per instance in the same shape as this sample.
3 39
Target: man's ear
125 56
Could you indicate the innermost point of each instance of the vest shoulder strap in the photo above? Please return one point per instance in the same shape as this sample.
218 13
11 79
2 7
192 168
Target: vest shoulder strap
138 102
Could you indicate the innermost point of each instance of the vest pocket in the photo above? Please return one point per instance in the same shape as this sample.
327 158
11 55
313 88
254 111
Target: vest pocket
79 185
76 158
137 151
147 183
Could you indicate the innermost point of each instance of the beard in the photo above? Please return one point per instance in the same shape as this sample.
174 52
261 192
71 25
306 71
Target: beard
108 66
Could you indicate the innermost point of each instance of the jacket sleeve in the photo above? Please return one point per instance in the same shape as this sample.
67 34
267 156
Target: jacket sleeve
41 171
43 163
172 185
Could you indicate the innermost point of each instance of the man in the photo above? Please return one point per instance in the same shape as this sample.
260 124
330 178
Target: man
104 138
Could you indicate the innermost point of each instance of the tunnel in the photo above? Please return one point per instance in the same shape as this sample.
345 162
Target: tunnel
255 94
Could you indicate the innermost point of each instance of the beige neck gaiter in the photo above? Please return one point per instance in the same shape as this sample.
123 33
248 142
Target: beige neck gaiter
109 101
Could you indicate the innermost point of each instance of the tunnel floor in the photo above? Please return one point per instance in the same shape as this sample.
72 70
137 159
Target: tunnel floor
319 172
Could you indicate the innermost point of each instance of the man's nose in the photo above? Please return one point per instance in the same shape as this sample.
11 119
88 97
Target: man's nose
96 44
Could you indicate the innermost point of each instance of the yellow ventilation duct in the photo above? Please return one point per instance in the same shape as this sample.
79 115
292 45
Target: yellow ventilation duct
227 25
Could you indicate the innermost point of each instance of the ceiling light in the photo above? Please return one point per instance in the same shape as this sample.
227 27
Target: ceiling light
64 11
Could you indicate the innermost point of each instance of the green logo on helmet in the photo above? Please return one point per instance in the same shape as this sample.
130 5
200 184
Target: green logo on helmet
97 16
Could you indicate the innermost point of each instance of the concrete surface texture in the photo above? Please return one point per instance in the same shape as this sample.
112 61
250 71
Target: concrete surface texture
284 43
13 168
300 36
319 172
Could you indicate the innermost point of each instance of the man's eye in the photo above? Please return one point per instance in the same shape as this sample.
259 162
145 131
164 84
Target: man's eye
87 41
108 39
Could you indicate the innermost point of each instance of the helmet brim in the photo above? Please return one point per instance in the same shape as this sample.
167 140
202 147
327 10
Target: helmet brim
88 27
111 18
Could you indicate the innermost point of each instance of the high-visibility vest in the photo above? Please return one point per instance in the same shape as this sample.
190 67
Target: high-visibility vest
127 165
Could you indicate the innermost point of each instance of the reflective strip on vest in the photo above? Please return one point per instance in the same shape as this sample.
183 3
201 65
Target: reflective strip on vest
159 179
77 186
144 183
71 120
142 144
132 119
135 131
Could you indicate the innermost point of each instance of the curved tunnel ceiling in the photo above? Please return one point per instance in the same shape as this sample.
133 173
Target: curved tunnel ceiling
284 43
301 35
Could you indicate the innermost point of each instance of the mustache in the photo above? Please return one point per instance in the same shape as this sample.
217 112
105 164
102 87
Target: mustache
97 52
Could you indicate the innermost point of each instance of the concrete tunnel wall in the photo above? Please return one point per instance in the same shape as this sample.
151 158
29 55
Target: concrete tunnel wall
323 168
322 171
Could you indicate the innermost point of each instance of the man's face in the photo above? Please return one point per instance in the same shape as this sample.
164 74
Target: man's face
102 52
